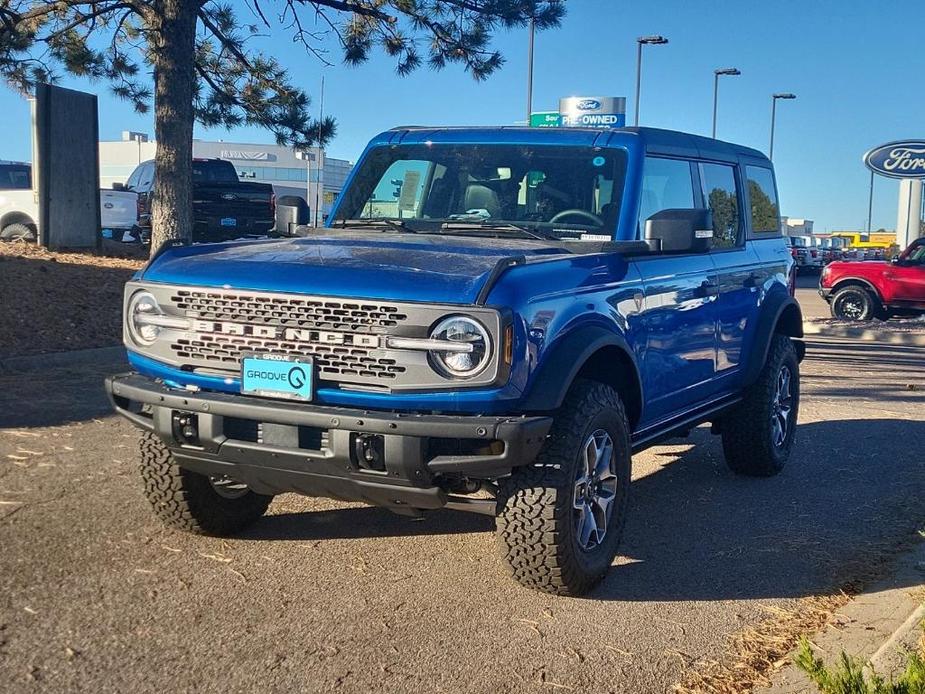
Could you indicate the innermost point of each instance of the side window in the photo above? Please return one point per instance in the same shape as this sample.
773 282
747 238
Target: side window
666 185
763 198
719 192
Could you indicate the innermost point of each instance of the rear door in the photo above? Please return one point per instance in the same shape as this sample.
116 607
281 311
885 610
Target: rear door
678 310
739 270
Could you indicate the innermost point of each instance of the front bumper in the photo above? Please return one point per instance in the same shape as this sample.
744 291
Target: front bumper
826 293
276 446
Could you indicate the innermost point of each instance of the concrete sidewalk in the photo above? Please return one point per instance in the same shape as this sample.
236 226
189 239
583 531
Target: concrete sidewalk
879 626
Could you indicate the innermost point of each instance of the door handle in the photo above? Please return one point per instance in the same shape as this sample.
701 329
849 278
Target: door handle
708 288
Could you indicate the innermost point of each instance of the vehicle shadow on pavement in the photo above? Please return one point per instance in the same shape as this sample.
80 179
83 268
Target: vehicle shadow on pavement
364 522
696 531
850 494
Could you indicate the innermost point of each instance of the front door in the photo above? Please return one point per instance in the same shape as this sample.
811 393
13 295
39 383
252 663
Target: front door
908 275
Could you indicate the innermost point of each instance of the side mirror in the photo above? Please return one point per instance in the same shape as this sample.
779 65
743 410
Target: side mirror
680 231
118 186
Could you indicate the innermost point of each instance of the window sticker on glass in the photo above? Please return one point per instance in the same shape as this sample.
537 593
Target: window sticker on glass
409 190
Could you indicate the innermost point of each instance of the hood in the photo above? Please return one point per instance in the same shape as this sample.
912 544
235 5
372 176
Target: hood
374 265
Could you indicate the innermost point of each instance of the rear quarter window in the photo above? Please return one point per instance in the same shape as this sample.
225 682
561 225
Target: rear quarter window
762 196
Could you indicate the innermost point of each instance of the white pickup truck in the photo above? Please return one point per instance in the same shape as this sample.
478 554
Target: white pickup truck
19 207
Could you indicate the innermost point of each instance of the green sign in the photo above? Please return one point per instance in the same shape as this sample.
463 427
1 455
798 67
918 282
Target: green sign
545 119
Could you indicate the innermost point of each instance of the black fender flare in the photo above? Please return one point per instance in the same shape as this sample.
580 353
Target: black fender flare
564 359
772 311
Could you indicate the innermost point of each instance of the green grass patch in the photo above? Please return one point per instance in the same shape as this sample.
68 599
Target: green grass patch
847 676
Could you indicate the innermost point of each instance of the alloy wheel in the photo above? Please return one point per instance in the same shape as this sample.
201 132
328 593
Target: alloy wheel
595 489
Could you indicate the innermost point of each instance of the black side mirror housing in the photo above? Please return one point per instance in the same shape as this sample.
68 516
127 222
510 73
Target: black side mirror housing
680 231
118 186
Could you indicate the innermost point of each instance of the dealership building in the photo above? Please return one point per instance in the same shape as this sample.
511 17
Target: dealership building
290 172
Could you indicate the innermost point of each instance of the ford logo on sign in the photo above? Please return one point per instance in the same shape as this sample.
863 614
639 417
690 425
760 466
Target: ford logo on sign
905 159
588 105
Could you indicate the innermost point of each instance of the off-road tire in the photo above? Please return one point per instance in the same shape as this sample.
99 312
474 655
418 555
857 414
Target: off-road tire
869 304
747 429
186 500
16 232
536 526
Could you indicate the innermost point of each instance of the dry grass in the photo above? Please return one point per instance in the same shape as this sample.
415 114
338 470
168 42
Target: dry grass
755 653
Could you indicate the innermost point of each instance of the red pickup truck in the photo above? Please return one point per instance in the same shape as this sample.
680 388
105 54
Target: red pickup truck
857 290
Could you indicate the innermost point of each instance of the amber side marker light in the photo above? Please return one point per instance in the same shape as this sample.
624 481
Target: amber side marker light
509 345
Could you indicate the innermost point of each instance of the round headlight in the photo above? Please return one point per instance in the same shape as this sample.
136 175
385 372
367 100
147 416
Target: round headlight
468 347
141 308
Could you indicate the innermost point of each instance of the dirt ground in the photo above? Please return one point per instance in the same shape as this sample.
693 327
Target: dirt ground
52 302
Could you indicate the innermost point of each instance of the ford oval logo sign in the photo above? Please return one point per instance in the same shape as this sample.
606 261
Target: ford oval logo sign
229 196
904 159
588 105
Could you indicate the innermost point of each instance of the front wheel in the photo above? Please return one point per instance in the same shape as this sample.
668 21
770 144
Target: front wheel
560 519
196 503
758 432
855 303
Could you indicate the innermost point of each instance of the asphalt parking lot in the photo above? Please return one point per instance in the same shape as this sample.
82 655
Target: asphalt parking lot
321 595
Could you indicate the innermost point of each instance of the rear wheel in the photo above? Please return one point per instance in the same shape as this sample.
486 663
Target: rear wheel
560 519
758 432
855 303
196 503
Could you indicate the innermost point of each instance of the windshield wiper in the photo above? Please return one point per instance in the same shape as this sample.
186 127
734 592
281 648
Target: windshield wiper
393 224
499 226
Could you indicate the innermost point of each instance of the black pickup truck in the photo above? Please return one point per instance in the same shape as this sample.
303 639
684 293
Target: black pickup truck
223 206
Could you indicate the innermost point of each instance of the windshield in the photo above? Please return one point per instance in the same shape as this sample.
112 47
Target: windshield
569 192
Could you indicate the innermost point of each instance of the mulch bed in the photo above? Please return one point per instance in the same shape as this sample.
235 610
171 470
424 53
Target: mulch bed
52 302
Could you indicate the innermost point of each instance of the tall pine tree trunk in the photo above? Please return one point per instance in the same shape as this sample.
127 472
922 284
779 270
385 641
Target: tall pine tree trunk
174 45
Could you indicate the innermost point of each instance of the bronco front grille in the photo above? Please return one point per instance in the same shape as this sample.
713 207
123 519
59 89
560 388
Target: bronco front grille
334 362
347 339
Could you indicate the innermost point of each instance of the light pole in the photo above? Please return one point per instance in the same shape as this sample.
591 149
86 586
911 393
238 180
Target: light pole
649 41
530 70
319 194
732 72
774 98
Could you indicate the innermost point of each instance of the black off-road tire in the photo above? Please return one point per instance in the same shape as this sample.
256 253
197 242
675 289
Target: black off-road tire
868 305
187 501
747 429
16 232
536 524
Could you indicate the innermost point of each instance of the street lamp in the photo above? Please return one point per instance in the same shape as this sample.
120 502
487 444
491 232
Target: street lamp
732 72
774 98
530 70
649 41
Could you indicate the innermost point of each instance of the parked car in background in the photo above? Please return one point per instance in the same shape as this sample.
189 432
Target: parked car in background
19 205
224 207
535 306
866 290
808 257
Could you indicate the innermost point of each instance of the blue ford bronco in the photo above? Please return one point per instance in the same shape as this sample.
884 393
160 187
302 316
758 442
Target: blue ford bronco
493 320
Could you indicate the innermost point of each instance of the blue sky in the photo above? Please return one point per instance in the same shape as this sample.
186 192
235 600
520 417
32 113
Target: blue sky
857 69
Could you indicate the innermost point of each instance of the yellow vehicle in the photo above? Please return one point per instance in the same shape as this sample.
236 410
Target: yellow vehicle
874 240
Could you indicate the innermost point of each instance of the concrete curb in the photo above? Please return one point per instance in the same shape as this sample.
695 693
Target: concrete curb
56 360
886 336
877 626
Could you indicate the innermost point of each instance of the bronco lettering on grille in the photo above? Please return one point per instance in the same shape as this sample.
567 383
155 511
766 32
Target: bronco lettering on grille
292 334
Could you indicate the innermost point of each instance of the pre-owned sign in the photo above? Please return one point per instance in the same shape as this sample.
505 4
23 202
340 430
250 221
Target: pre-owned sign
903 159
593 111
